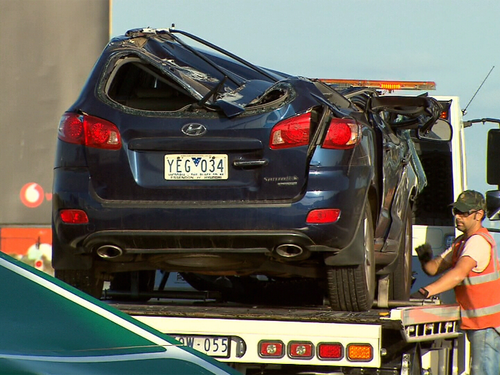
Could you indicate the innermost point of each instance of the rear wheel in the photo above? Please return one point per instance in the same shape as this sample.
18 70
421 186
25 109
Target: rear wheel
402 275
88 281
352 288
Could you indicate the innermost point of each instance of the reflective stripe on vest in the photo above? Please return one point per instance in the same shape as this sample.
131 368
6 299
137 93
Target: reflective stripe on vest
482 311
478 293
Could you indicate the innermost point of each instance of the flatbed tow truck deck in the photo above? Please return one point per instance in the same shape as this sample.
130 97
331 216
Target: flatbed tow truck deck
390 318
313 339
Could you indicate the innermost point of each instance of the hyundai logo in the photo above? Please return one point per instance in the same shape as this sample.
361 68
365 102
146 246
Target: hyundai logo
194 130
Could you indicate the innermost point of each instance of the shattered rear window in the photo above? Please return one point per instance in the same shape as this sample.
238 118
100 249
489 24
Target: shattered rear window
134 84
138 85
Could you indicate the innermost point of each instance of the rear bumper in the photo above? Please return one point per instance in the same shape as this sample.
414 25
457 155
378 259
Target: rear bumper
162 242
143 227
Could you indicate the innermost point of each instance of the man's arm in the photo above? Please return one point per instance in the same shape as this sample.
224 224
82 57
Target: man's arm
453 277
430 265
435 266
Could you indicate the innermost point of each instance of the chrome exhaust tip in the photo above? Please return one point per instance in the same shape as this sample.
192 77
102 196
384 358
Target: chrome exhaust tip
289 250
109 251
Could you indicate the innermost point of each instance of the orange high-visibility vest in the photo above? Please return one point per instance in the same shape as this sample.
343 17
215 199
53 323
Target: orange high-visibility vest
479 293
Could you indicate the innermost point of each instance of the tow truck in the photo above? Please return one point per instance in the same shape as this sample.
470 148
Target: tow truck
412 339
394 337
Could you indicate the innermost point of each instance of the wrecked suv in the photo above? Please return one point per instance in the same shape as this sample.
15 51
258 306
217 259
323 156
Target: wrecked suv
180 156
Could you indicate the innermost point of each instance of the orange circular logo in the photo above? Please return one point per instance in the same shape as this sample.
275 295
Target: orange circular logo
32 195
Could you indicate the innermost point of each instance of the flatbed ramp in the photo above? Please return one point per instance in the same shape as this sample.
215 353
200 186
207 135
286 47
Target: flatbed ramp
393 318
243 312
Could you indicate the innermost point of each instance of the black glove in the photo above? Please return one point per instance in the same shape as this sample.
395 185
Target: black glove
422 293
424 253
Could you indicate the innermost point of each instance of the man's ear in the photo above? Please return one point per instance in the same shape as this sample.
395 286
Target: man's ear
482 213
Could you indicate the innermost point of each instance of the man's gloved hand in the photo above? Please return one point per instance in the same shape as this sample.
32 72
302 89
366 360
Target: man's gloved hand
422 293
424 253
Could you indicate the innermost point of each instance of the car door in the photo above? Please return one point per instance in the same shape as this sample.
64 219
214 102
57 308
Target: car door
392 156
394 117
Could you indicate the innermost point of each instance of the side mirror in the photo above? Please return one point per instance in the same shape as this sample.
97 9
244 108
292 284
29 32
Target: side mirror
493 157
493 174
441 130
493 204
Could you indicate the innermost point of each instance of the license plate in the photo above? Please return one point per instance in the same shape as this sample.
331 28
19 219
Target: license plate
196 167
214 346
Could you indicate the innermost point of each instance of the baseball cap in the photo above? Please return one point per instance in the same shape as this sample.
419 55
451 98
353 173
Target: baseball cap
469 200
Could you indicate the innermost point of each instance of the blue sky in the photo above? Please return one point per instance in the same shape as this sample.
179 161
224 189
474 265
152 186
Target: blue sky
452 42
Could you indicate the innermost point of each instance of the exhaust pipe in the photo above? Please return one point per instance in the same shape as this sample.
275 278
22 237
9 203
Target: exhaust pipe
289 250
109 251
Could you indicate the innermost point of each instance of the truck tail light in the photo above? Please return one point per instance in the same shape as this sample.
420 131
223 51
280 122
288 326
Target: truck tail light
359 352
71 216
323 216
303 350
342 134
271 349
89 131
292 132
330 350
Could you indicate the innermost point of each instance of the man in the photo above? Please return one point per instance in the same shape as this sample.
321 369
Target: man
473 271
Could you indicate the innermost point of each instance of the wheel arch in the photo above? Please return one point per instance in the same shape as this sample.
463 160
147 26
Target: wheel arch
353 253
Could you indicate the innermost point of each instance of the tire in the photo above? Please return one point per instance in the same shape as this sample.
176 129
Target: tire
88 281
251 290
122 282
401 279
352 288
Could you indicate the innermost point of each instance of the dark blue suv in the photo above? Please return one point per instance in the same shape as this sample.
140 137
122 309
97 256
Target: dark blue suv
181 156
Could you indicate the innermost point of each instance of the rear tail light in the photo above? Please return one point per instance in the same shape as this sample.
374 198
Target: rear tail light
342 134
271 349
324 351
71 216
323 216
303 350
89 131
330 350
359 352
292 132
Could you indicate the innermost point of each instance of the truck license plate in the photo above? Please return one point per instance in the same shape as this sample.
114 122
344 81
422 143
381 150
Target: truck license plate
215 346
196 167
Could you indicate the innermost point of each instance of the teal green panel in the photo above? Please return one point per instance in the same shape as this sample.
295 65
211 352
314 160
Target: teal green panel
48 327
146 367
43 321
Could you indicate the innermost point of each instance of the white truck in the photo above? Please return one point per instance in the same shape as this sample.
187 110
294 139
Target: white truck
394 337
